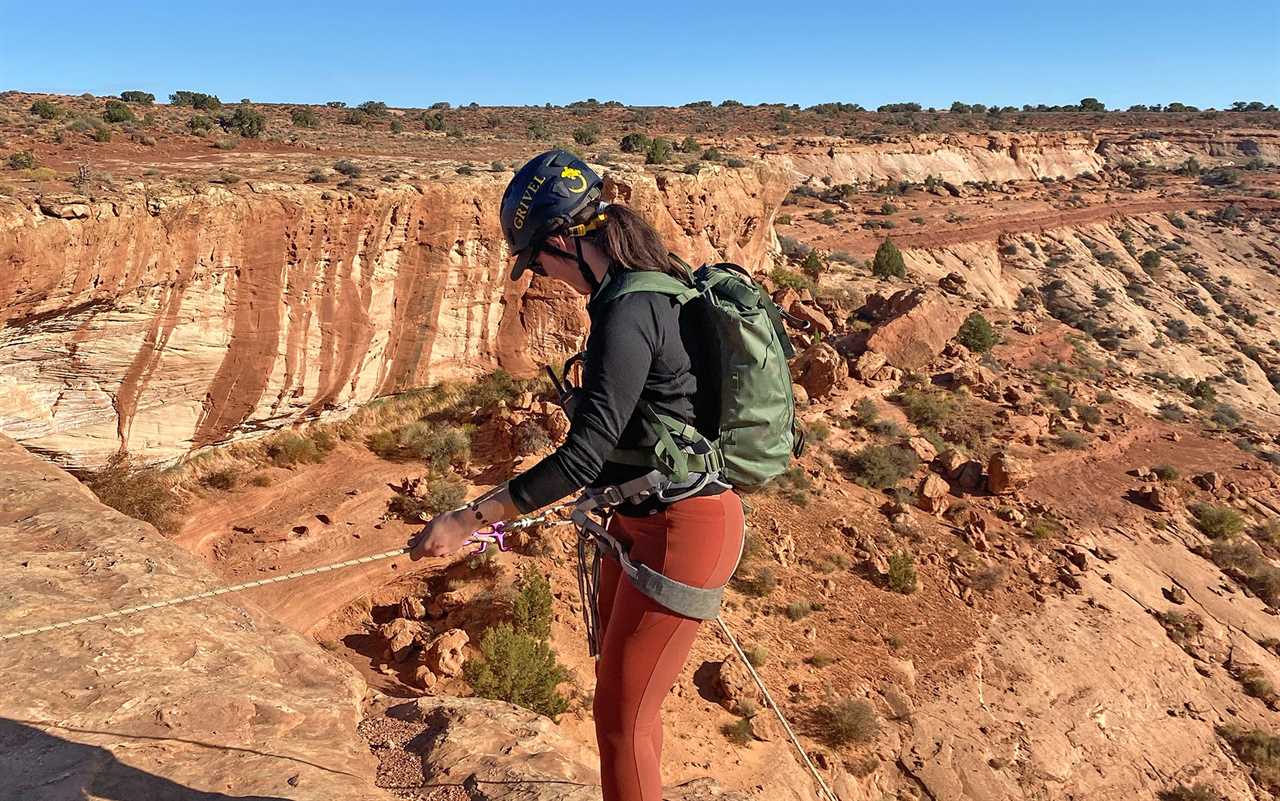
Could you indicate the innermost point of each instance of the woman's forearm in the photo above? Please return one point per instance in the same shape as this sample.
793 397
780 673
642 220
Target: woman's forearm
492 506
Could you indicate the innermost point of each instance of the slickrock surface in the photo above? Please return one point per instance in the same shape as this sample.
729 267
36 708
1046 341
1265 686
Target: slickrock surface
210 700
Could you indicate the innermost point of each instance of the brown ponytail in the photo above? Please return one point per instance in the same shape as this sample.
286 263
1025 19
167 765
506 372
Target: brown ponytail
629 239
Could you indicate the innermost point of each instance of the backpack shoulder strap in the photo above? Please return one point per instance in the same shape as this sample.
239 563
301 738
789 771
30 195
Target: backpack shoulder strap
628 281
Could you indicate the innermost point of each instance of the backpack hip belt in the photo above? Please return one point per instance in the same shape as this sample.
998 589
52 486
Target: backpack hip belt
594 541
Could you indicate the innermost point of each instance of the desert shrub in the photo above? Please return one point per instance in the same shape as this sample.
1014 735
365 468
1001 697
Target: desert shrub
245 121
736 164
1257 749
798 610
486 393
711 154
976 334
290 448
438 494
305 118
1072 440
225 478
880 466
757 584
531 609
517 668
22 160
987 578
738 732
787 279
135 96
374 108
45 109
1044 528
1088 414
117 111
848 720
925 407
1150 261
812 265
1181 627
888 261
690 145
1171 412
439 445
348 168
757 655
634 143
137 491
587 134
1218 521
658 151
902 573
196 100
1257 684
1225 416
865 412
821 659
199 124
1166 472
260 480
794 485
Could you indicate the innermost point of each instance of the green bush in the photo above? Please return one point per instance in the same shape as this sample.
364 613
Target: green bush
812 265
305 118
439 445
927 407
587 134
139 492
438 494
117 111
135 96
738 732
45 109
245 120
1199 792
880 466
821 660
1088 414
1165 472
888 261
196 100
658 152
289 448
634 143
1150 262
517 668
22 160
690 145
757 655
374 108
757 585
223 479
902 573
1218 521
1225 416
200 124
976 334
798 610
531 610
786 279
1072 440
849 720
1257 749
711 154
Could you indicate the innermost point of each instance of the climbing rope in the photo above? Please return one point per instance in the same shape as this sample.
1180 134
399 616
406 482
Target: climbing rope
481 538
795 741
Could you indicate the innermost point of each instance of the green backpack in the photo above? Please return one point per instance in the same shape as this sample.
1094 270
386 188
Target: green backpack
757 431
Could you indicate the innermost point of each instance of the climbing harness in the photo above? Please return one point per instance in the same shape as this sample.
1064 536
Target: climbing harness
594 542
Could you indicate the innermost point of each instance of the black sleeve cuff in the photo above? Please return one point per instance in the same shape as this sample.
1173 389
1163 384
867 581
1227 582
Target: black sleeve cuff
544 483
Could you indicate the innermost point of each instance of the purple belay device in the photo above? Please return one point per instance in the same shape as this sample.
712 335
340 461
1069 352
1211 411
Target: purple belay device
495 534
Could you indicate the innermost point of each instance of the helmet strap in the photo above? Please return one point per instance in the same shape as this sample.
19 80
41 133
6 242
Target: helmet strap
585 268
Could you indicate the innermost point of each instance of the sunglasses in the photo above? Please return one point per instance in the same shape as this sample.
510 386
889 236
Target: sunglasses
538 250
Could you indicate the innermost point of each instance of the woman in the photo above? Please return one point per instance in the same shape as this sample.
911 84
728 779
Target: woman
557 227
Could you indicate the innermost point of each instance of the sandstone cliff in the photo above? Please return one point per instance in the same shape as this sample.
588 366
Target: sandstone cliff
157 324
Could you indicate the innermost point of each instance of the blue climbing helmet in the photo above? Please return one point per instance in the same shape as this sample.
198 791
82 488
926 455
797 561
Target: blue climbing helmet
555 191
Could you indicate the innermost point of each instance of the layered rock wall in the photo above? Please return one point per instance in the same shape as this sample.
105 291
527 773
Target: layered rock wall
160 324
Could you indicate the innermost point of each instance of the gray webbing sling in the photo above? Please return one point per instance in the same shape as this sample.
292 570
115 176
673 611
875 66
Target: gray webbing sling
700 603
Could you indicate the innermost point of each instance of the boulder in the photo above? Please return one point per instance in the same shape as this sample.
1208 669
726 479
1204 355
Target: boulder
734 687
412 608
949 463
820 370
1160 497
867 365
933 494
922 448
969 476
911 327
818 322
401 636
1006 474
444 655
952 283
64 207
1210 482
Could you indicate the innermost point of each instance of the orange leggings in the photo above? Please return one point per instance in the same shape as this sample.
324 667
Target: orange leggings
643 645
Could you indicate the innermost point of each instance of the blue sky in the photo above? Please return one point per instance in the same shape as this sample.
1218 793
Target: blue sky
508 53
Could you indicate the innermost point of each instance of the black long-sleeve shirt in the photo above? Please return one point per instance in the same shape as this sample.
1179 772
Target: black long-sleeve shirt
634 351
